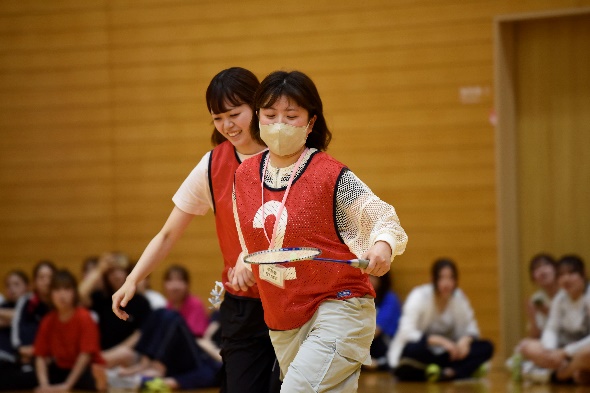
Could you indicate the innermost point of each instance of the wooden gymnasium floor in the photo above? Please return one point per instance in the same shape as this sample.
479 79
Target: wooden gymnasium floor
497 381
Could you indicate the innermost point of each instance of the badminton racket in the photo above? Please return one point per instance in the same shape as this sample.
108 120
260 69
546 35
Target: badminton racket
294 254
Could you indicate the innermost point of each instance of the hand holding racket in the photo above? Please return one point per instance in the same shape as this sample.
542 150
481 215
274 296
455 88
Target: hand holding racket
240 277
295 254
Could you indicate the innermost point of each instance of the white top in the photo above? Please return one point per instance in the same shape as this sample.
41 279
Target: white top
541 297
420 316
155 298
194 195
568 325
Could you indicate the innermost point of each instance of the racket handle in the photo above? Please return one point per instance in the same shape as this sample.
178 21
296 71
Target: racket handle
360 263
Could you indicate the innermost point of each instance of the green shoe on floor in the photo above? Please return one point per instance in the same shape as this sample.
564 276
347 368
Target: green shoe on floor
516 366
432 372
155 385
481 371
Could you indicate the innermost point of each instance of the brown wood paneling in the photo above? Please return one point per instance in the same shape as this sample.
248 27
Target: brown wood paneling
102 117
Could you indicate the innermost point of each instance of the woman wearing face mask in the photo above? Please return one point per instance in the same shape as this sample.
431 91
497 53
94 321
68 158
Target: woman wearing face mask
438 337
247 353
321 315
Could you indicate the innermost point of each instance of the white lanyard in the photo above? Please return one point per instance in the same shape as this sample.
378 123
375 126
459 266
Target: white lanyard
280 211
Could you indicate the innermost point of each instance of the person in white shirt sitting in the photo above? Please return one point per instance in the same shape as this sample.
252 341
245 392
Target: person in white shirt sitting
565 341
438 336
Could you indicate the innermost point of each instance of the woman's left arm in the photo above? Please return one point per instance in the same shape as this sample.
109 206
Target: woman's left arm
369 226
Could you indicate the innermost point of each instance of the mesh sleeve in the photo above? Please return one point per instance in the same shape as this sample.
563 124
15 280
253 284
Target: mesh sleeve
362 218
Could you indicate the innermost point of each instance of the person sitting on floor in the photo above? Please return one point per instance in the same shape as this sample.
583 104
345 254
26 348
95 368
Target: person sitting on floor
438 336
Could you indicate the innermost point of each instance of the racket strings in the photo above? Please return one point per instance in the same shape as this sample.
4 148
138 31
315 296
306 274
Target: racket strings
278 256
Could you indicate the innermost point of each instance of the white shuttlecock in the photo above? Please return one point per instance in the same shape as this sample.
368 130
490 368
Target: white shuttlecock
216 295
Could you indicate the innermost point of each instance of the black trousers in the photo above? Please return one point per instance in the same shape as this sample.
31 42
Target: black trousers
165 337
249 360
421 356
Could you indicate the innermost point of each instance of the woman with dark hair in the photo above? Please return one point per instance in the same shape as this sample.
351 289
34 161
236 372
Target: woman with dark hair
438 337
29 311
117 338
247 352
321 315
16 284
190 307
388 313
566 336
67 346
543 273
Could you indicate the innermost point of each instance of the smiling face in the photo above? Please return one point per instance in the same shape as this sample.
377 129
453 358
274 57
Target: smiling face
234 125
544 275
571 281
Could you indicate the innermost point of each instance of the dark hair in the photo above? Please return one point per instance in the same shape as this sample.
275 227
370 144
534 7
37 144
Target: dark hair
20 274
573 263
64 279
235 86
180 270
42 263
438 266
540 260
296 86
384 287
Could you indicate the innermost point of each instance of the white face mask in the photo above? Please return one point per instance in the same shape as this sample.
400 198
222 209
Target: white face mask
283 139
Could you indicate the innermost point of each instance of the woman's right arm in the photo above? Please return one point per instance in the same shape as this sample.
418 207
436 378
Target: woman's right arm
157 249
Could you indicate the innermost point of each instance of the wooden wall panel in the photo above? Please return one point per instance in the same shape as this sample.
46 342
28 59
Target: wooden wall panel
102 117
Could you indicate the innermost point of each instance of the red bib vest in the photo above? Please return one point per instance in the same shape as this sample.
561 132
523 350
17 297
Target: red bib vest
223 163
311 222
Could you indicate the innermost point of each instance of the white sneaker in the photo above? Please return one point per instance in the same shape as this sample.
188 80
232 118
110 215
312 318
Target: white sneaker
537 375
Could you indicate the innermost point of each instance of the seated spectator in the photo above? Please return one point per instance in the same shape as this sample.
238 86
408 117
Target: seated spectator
16 284
29 311
67 343
170 353
117 337
388 314
566 335
438 338
177 291
171 357
543 271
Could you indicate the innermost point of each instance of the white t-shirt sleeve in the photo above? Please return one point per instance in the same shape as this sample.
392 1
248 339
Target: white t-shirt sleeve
194 195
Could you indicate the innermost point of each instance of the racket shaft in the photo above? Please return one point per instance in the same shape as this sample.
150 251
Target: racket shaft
360 263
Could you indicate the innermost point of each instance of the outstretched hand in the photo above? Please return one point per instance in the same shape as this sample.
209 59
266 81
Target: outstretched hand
122 297
379 257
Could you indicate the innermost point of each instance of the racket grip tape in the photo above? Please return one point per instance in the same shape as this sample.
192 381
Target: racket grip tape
360 263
